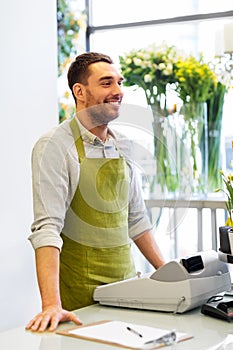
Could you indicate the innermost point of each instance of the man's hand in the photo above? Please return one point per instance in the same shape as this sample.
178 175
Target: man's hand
50 317
47 263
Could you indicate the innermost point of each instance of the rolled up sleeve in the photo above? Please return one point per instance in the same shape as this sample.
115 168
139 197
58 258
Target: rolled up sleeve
52 191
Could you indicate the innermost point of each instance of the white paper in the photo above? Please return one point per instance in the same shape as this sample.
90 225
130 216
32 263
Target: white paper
116 332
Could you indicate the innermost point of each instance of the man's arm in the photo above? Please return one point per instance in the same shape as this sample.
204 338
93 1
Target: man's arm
149 248
47 266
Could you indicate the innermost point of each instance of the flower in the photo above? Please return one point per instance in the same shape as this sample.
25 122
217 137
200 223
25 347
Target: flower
228 190
220 66
151 69
195 80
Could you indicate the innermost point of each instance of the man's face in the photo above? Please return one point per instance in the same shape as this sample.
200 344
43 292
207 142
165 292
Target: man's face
103 92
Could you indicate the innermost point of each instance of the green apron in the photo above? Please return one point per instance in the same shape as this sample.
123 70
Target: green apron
96 246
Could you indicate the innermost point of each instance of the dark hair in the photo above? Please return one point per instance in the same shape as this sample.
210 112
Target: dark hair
78 71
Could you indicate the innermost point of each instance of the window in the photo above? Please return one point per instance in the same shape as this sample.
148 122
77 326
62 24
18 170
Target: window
190 25
104 12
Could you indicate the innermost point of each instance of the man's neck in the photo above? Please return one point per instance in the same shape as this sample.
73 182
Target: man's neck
101 131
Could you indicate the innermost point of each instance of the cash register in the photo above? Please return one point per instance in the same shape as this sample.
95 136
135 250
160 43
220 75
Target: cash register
177 286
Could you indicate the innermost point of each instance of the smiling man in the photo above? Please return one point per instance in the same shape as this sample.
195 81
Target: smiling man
99 91
88 205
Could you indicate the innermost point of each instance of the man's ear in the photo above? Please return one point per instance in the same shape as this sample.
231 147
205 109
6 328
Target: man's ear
78 90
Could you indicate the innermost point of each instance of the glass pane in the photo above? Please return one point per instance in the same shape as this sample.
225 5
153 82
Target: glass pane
105 12
190 37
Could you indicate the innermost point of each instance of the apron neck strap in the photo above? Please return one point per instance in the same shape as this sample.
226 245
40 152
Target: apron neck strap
78 139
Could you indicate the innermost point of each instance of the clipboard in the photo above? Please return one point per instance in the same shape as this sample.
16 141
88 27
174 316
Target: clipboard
102 332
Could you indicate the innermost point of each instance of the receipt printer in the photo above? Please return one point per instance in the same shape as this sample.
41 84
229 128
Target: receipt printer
177 286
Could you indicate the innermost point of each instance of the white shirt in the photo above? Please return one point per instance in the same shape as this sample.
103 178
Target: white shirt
55 175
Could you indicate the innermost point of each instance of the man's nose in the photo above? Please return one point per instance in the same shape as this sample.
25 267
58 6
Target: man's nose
117 89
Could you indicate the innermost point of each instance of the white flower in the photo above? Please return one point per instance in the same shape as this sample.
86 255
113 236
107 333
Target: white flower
140 54
161 66
137 61
128 60
146 56
147 64
168 69
147 78
225 78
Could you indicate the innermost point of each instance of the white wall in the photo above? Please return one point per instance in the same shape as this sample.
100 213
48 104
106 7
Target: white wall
28 107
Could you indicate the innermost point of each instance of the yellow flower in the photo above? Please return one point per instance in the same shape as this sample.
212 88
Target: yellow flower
195 79
229 222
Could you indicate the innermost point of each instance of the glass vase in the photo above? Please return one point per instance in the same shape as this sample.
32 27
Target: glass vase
214 120
165 179
196 135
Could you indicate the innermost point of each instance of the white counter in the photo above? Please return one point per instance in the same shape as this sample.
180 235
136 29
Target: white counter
207 331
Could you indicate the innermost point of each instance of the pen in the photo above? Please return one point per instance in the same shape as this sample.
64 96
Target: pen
133 331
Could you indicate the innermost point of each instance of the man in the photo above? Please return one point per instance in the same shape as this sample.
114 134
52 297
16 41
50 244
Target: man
87 202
